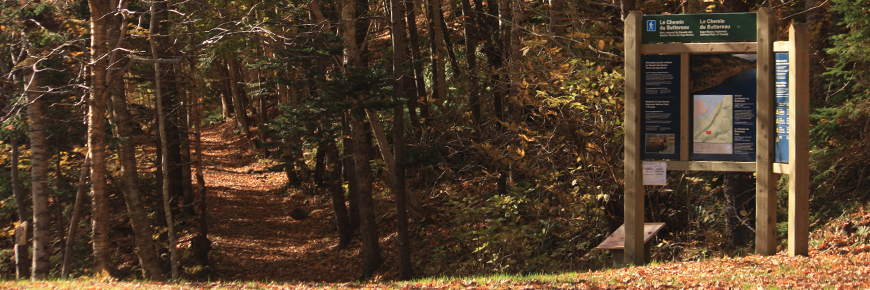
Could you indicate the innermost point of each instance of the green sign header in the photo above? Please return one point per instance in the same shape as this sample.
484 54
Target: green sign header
708 27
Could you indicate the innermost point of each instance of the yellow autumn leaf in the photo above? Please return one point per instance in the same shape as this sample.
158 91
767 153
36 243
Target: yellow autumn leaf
527 138
601 44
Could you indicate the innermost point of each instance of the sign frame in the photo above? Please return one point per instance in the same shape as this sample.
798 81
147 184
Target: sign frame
766 169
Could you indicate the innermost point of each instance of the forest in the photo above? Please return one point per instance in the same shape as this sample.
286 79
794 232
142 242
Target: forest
347 140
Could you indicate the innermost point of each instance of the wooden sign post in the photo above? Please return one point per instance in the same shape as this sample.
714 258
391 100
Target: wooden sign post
655 112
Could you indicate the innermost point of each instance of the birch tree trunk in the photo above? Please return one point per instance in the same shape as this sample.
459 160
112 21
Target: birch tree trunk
96 136
39 175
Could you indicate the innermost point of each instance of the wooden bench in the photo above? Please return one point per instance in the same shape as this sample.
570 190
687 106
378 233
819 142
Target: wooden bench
615 243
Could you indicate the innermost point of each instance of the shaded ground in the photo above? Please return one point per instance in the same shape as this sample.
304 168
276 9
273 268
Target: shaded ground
837 268
253 235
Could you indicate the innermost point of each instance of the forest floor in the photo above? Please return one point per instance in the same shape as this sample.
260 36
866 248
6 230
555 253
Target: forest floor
254 237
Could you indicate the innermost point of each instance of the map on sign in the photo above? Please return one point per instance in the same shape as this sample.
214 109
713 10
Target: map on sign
713 131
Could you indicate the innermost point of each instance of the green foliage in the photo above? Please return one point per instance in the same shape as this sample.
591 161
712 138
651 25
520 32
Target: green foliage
212 117
839 132
526 231
849 78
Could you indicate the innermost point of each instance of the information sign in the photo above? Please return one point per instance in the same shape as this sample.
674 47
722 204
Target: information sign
723 107
782 91
660 96
708 27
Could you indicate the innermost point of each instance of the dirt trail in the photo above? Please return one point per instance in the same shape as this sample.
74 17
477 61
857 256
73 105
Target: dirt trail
253 235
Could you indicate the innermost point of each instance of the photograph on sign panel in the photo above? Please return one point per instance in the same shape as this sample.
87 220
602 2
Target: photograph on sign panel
659 143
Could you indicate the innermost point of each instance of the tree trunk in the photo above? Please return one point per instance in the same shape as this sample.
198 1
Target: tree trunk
75 218
21 250
96 136
342 220
238 102
146 249
16 188
448 45
371 252
419 98
350 175
164 144
201 245
436 37
226 91
166 48
471 32
319 166
184 144
39 175
399 61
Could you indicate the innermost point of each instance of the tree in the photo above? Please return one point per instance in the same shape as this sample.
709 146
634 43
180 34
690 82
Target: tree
354 68
39 171
100 10
147 251
164 144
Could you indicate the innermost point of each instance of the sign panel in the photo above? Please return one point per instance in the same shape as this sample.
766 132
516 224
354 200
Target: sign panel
660 96
723 94
655 173
781 94
708 27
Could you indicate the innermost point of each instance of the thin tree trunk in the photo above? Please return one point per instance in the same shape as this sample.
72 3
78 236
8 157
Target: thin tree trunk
75 218
471 58
201 245
350 176
21 249
226 92
342 220
448 46
436 37
16 188
383 145
419 98
405 265
238 102
399 60
319 166
184 136
164 143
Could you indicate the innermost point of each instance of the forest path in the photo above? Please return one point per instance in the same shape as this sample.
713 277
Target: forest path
253 235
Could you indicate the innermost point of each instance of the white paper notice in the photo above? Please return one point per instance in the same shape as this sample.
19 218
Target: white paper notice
655 173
